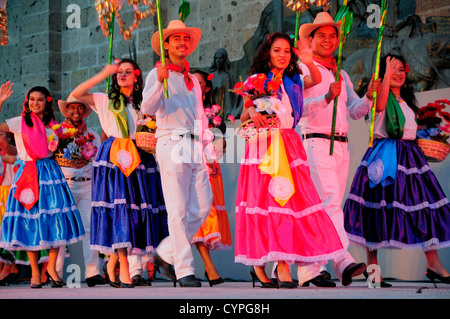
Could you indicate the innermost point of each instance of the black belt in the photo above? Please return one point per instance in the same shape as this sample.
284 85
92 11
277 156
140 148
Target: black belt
191 136
79 179
339 138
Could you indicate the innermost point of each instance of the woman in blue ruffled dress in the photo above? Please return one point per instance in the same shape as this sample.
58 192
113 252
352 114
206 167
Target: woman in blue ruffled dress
40 211
395 200
128 210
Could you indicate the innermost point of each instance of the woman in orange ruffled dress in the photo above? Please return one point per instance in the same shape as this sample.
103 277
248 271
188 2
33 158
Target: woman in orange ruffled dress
215 233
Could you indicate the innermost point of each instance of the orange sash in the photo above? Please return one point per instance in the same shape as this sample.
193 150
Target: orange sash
124 154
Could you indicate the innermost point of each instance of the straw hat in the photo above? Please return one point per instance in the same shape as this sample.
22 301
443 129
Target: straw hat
322 19
177 26
63 106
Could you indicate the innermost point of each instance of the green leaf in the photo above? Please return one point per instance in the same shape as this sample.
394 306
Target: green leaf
348 22
184 11
341 13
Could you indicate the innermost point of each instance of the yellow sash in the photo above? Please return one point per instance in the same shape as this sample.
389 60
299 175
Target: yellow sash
276 164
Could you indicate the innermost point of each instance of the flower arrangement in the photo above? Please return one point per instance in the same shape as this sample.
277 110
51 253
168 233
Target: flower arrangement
146 123
212 114
145 133
70 143
262 92
231 119
430 121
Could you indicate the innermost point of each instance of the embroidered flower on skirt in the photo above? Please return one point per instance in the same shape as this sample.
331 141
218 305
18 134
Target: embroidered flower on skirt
281 188
375 171
124 158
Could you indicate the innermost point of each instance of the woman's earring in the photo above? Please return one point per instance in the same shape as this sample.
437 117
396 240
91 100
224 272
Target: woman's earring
136 86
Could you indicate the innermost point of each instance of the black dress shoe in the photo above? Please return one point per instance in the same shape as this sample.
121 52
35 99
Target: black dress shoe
352 270
95 280
189 281
166 268
325 274
319 281
139 281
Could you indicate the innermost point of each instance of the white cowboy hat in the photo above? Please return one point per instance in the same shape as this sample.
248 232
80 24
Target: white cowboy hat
322 19
177 26
63 106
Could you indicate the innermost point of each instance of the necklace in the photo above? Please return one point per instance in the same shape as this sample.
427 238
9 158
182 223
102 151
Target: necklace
399 98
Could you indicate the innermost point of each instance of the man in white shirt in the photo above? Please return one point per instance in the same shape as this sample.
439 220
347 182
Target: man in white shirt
329 172
183 144
79 181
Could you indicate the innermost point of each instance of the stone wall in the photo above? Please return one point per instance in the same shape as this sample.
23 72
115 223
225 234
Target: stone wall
427 8
43 50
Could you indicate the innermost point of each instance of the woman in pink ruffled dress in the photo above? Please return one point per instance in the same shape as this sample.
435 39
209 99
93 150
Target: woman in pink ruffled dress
279 216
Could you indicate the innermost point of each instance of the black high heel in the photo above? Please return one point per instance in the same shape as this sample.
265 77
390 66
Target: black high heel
122 285
8 279
284 284
432 276
214 281
55 283
371 284
263 284
35 286
114 284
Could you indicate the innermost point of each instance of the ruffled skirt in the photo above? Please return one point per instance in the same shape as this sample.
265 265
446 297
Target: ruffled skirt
299 232
412 212
215 232
53 221
127 212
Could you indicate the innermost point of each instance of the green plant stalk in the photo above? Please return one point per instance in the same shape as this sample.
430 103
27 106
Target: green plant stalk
161 44
338 71
111 37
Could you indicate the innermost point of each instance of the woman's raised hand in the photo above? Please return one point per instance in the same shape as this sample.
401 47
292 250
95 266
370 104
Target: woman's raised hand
304 52
5 91
110 69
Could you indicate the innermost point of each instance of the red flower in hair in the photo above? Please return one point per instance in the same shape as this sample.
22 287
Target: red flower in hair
137 72
210 77
407 68
49 98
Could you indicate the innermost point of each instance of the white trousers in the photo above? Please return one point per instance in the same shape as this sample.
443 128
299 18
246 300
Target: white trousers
137 264
81 192
188 198
329 174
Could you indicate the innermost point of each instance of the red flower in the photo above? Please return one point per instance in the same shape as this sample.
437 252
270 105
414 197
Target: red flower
210 77
49 99
407 68
137 72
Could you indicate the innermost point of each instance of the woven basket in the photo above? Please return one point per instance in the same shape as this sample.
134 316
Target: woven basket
146 141
434 151
75 162
250 133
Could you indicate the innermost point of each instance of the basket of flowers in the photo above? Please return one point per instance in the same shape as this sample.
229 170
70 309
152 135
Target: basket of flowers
145 133
72 149
261 93
432 136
